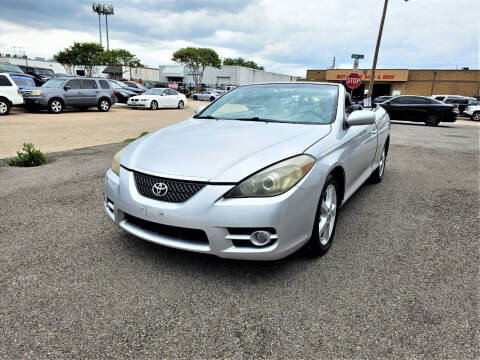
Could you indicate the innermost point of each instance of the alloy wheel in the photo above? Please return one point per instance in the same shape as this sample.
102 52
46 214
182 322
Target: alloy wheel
104 105
180 105
328 212
381 166
3 108
476 116
56 106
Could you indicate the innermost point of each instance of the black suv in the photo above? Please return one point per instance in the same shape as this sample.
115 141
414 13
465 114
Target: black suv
77 92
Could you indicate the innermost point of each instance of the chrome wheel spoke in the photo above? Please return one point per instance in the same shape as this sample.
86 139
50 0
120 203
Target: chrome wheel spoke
328 210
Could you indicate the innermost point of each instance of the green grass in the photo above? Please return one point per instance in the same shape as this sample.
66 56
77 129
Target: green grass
28 157
130 140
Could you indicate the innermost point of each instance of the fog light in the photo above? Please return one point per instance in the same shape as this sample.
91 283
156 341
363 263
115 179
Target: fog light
260 238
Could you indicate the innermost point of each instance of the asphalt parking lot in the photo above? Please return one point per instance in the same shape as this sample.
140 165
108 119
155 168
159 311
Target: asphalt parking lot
400 281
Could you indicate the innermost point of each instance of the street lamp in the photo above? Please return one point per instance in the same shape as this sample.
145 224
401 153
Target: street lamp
379 39
102 9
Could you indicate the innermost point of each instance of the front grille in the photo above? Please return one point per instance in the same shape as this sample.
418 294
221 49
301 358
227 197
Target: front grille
177 191
193 236
26 92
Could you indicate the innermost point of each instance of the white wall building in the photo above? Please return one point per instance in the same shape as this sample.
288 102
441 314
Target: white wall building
226 75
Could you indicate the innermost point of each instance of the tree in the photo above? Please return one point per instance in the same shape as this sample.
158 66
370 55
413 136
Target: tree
242 62
85 54
120 58
67 59
196 59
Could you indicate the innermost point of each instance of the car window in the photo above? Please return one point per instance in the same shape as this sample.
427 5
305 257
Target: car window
165 92
473 102
74 84
4 81
10 68
440 98
89 84
399 100
295 103
23 81
104 84
46 72
172 92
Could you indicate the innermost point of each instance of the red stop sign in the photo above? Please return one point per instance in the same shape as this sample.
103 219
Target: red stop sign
353 80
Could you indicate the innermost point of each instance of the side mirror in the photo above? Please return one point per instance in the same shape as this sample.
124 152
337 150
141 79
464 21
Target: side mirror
361 117
199 109
66 88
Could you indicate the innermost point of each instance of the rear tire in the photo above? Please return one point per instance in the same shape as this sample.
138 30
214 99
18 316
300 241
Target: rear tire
103 105
181 105
325 222
55 106
4 107
432 120
212 98
476 116
377 175
153 105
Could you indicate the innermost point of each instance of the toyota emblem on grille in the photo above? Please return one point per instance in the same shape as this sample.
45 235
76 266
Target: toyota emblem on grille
160 189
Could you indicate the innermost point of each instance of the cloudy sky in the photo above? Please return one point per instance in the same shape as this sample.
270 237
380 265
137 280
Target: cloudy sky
287 36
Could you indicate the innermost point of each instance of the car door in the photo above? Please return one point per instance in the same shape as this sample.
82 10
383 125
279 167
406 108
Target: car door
173 98
89 92
163 98
364 148
394 108
416 108
72 94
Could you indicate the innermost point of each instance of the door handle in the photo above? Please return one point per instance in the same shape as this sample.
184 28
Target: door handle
374 132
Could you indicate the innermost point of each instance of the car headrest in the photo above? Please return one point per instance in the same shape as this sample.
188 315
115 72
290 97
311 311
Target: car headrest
348 99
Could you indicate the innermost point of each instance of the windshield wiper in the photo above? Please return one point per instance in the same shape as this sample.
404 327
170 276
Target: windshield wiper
205 117
256 118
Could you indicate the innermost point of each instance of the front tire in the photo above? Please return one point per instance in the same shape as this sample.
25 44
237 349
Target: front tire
103 105
432 120
476 116
4 107
194 97
55 106
325 219
153 105
181 105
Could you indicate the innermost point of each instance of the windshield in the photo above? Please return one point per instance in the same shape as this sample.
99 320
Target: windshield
54 83
115 85
153 92
10 68
23 81
294 103
46 72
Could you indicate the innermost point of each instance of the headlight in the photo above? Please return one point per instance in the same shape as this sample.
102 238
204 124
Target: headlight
116 162
275 179
37 92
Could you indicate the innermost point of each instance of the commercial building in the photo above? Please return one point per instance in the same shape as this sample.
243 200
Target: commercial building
406 82
226 75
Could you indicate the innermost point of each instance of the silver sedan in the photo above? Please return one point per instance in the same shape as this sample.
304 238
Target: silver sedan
257 174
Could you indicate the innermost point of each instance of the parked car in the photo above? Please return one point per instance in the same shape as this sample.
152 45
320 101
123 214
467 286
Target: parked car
248 177
420 108
473 111
126 87
10 68
230 87
444 98
41 74
121 93
209 95
9 94
156 98
381 99
62 92
23 81
135 85
462 103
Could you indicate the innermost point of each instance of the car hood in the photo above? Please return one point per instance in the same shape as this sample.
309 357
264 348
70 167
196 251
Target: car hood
219 150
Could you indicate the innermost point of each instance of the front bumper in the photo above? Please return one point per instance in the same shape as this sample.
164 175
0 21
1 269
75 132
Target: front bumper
36 101
291 215
141 104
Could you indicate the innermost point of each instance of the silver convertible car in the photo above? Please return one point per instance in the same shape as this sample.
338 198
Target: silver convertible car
259 173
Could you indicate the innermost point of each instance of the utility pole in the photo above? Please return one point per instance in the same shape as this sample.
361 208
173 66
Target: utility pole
333 64
100 27
106 27
377 47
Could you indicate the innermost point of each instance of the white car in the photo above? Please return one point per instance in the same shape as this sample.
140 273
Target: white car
9 94
208 95
473 111
158 98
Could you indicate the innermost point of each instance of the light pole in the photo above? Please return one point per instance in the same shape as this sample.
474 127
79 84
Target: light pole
102 9
377 47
